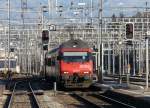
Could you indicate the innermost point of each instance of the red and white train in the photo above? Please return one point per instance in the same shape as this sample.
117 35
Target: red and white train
71 64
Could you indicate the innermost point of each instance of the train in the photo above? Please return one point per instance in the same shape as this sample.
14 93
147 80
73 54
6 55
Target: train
4 62
14 68
70 64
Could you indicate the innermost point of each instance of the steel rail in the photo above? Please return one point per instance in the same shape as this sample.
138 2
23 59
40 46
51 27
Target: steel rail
116 101
36 103
104 98
12 95
81 98
34 97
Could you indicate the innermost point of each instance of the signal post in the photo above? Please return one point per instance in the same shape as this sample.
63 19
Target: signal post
129 40
45 41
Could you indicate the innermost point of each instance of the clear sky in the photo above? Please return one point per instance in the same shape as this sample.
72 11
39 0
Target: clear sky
109 7
124 3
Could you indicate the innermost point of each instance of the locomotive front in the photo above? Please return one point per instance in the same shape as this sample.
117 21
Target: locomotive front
76 65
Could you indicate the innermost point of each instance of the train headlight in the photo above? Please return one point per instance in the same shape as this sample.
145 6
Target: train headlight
86 72
66 72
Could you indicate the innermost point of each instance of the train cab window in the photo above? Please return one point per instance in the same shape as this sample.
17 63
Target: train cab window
2 64
12 63
83 57
76 56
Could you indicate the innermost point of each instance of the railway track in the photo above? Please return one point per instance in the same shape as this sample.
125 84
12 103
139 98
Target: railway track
23 96
132 78
100 101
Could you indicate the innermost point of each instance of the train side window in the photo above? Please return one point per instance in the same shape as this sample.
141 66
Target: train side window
53 62
48 62
58 57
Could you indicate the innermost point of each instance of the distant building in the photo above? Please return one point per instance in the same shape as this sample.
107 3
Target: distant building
142 14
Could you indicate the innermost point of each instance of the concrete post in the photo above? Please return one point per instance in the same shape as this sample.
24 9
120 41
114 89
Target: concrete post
120 73
55 88
134 60
147 65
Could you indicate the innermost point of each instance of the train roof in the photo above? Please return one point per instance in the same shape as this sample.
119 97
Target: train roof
53 50
77 43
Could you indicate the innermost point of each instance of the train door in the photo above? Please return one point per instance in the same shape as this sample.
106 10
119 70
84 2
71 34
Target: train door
57 68
95 65
95 61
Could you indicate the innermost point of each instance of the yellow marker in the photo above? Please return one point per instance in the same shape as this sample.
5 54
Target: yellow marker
129 68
